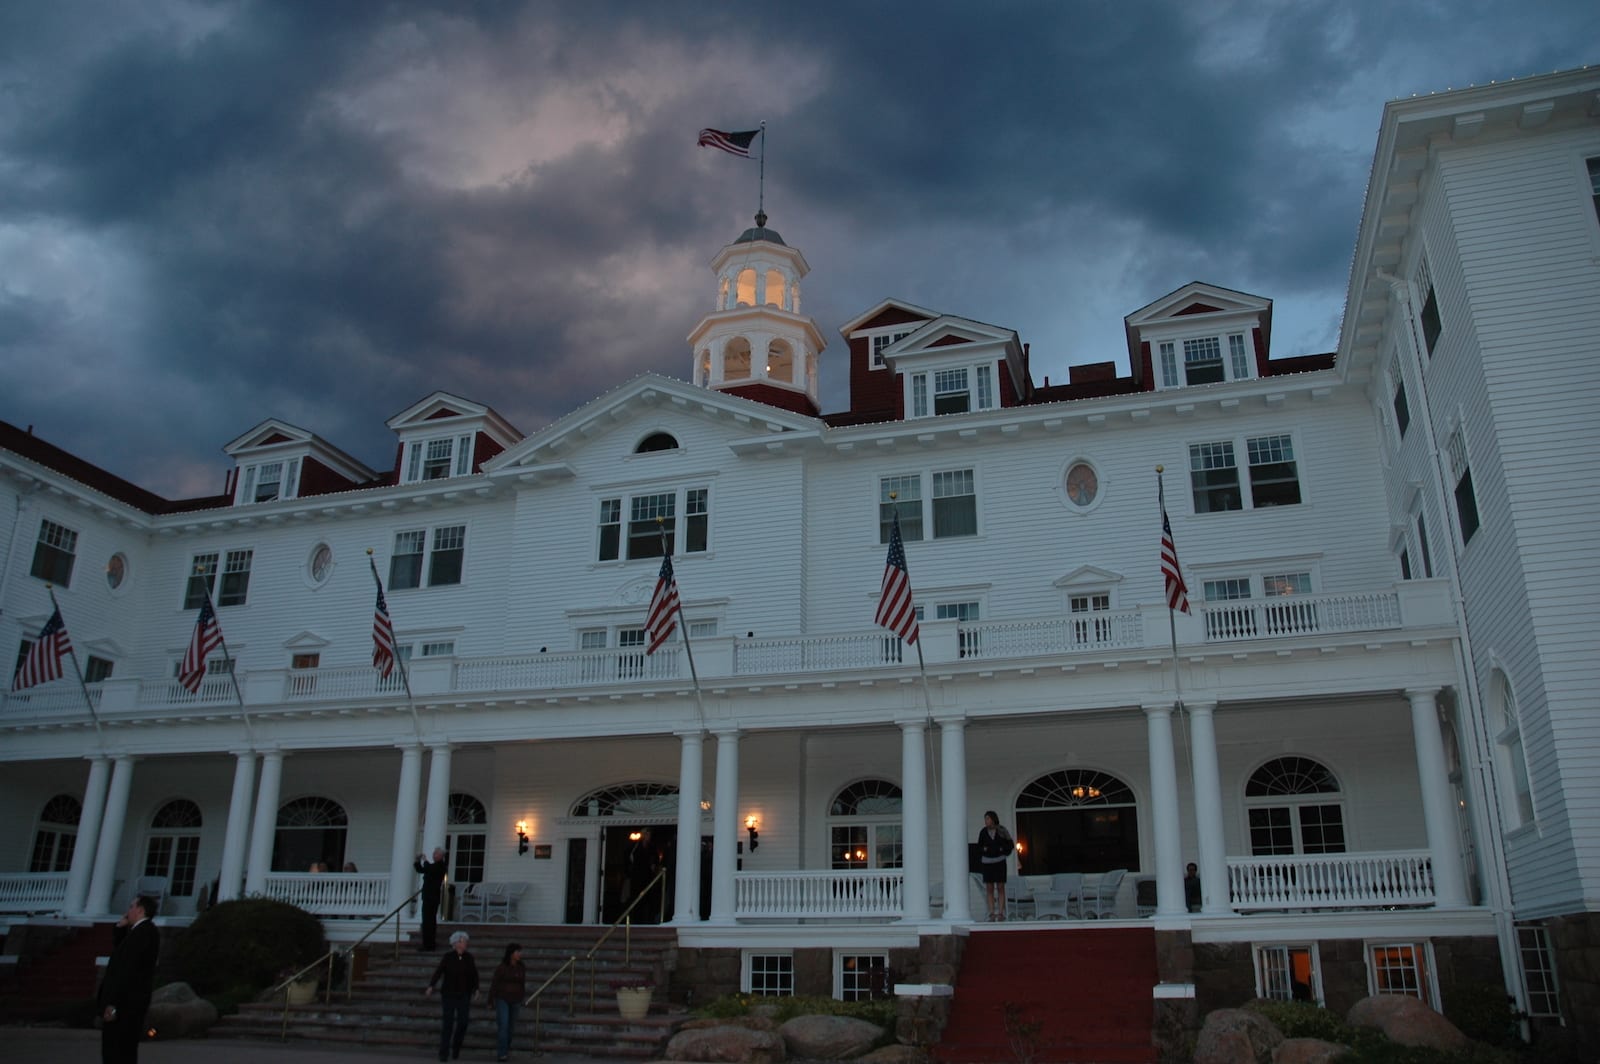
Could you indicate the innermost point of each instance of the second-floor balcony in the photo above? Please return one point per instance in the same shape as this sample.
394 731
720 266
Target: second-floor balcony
1284 622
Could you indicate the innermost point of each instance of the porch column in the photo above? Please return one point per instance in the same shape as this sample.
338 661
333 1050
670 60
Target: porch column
436 824
1213 857
953 813
1164 806
691 772
1433 777
264 829
402 877
110 841
914 818
237 836
88 841
725 828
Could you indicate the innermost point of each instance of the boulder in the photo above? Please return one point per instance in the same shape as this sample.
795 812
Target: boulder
829 1037
177 1012
895 1054
1308 1051
751 1023
1406 1020
727 1045
1236 1036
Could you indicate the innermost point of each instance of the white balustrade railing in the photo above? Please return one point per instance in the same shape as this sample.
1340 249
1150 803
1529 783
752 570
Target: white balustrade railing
1332 881
304 685
802 895
753 657
1290 615
331 893
1107 630
545 672
214 690
64 696
32 892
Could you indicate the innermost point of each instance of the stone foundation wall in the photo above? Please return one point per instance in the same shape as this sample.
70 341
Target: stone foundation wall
1575 940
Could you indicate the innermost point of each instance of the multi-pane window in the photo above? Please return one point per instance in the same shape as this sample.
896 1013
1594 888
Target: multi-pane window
966 612
467 838
1086 627
445 559
1214 474
952 511
955 390
1227 589
173 850
864 826
649 516
1287 973
919 395
1274 477
1202 360
630 663
1466 498
769 974
96 669
1513 758
269 481
860 976
1538 971
1400 968
202 578
882 341
1432 326
1422 546
57 836
449 456
950 393
1239 357
1294 806
55 552
235 586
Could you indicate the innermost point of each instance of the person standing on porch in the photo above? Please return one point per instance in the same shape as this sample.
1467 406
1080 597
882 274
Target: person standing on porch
457 980
129 980
433 873
994 846
507 987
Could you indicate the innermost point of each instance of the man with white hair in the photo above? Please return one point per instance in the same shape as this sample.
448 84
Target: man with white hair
457 979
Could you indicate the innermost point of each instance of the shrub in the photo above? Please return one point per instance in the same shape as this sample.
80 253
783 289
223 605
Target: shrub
241 947
783 1009
1303 1019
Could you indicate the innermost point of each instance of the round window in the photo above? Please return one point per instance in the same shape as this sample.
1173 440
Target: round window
321 563
1082 484
116 570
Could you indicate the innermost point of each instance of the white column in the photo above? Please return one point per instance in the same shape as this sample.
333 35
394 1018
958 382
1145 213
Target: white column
914 817
1164 806
725 829
237 838
1433 777
402 876
88 841
1213 857
110 842
953 816
264 829
435 825
686 885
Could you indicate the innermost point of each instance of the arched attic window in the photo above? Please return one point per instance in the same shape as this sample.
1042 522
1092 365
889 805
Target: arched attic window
57 835
775 289
780 361
656 441
746 288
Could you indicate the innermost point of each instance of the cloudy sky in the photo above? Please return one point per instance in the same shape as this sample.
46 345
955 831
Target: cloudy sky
215 213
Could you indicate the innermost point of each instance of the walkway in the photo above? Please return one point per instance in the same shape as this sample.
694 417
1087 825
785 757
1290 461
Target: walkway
61 1046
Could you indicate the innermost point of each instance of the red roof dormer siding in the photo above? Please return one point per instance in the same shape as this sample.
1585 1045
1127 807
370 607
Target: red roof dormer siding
318 479
1259 340
1146 374
1197 308
877 393
484 447
782 398
399 460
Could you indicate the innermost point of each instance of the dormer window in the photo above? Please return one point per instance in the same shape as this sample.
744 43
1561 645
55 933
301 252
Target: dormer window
438 459
1203 361
269 481
882 341
955 391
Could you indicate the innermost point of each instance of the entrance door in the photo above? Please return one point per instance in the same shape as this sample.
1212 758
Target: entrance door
630 858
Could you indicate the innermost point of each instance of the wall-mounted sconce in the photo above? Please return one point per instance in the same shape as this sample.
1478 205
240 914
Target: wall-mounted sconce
522 837
635 836
755 836
705 806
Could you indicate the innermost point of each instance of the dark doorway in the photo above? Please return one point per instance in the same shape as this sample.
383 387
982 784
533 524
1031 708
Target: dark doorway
577 873
1086 839
630 858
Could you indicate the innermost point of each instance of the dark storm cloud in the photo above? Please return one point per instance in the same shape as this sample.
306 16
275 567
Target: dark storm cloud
212 214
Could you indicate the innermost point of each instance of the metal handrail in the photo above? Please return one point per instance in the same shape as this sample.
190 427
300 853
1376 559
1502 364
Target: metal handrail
349 969
570 965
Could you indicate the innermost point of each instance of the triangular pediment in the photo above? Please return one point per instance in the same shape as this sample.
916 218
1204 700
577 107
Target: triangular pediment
889 313
1196 298
305 640
270 433
1088 576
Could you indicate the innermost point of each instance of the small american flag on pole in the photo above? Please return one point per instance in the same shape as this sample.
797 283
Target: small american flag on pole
732 143
382 636
664 608
895 610
207 637
43 662
1177 590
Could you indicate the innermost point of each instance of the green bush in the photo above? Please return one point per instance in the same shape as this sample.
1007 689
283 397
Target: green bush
1303 1019
242 947
783 1009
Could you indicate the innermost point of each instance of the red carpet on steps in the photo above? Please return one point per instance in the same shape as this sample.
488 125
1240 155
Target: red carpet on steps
1089 989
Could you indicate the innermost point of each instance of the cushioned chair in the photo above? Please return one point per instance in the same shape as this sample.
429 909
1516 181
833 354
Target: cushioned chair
502 904
1063 900
1103 903
472 905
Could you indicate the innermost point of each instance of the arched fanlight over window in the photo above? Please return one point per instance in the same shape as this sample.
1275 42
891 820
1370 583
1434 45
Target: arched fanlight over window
657 441
178 813
465 809
1291 775
1074 787
312 812
630 799
867 798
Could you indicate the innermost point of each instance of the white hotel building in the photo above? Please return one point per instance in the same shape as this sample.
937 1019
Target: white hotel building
1388 742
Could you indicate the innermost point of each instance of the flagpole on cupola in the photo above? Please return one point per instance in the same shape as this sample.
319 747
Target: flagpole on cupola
761 181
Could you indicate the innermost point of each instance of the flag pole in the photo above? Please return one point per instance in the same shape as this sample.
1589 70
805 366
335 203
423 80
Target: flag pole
78 670
683 628
227 661
400 662
1172 624
761 182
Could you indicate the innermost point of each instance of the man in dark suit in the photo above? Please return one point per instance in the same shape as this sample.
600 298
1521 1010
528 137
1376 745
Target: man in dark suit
129 980
433 873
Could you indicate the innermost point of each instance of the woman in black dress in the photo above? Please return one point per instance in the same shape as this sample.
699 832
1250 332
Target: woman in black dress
994 847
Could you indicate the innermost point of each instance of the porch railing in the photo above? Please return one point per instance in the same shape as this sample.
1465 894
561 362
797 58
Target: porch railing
1332 881
356 681
32 892
331 893
1107 630
816 653
799 895
1301 615
532 672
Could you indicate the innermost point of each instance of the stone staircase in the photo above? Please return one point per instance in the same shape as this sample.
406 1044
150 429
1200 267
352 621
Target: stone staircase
387 1007
49 973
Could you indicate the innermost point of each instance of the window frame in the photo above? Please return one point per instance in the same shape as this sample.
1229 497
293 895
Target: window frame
922 391
1463 494
455 460
288 482
1422 956
431 561
885 337
1259 950
747 966
922 517
1233 357
1511 755
223 574
179 859
687 524
1294 804
55 553
858 992
1248 481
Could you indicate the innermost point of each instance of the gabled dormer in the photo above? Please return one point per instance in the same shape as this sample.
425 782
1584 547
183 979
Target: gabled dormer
1199 334
276 460
906 361
445 435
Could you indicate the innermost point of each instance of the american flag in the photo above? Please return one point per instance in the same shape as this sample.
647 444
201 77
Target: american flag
664 607
732 143
895 611
1177 590
207 637
43 662
382 636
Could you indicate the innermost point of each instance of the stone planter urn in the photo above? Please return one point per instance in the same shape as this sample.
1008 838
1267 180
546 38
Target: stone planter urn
303 992
633 1002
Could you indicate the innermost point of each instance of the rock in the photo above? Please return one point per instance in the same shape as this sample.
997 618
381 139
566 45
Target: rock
750 1023
829 1037
1308 1051
727 1045
176 1012
1236 1036
896 1054
1406 1020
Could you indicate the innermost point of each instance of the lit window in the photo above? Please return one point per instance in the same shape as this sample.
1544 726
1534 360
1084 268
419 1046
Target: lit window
54 554
1287 973
864 826
1401 968
860 976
